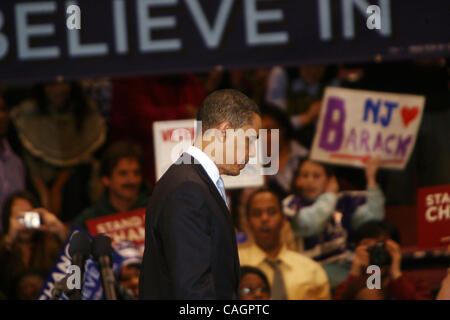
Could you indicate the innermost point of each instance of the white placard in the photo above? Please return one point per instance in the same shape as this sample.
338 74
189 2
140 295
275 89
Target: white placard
355 125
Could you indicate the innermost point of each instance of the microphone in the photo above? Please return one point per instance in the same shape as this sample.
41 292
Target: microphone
103 252
79 251
124 293
59 288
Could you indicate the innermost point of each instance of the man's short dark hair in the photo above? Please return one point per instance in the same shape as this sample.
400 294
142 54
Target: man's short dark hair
262 190
375 229
227 105
253 270
116 152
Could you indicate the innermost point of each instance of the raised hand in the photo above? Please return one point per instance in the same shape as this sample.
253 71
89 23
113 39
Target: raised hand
371 171
332 185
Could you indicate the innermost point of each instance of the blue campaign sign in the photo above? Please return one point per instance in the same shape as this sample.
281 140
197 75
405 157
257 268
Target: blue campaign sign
92 289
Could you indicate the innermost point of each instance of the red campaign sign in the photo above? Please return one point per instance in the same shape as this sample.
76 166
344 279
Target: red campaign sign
186 133
434 217
121 226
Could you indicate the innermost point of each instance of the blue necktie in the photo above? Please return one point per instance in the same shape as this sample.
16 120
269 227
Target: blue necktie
221 186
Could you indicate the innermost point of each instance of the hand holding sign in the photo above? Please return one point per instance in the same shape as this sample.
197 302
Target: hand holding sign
371 171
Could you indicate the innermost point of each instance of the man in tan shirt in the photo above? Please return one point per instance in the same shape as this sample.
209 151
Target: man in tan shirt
292 276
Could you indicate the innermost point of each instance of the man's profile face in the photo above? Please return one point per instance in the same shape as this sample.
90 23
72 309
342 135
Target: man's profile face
125 180
265 219
238 146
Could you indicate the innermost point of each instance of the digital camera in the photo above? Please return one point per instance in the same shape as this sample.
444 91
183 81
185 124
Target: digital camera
31 220
378 254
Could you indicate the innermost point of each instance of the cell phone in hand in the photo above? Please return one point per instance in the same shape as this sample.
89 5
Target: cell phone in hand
31 220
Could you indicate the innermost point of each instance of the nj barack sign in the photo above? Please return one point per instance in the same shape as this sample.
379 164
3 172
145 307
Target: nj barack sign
355 125
44 39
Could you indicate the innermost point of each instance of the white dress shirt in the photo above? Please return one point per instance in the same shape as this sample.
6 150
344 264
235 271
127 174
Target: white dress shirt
210 168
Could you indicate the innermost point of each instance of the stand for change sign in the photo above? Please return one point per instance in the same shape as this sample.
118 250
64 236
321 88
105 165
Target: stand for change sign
355 125
433 208
125 226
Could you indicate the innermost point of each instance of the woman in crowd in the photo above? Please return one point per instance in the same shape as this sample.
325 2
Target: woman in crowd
23 247
323 220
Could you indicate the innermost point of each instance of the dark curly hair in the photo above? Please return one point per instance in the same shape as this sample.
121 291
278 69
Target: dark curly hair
226 105
248 269
6 212
117 151
262 190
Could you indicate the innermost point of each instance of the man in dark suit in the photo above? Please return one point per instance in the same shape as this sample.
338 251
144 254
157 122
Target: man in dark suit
190 243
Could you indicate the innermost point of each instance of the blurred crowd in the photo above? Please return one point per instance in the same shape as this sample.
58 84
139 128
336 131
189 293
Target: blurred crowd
77 150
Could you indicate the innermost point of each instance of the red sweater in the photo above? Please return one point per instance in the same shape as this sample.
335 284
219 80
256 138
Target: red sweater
406 287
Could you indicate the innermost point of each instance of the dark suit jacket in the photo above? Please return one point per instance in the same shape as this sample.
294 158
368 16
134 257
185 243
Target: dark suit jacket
190 243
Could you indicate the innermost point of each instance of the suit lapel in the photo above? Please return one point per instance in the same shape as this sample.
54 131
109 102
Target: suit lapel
213 189
187 158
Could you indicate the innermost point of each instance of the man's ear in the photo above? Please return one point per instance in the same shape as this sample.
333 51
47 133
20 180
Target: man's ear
223 127
105 181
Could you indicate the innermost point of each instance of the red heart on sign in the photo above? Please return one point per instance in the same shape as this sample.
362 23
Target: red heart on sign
409 114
